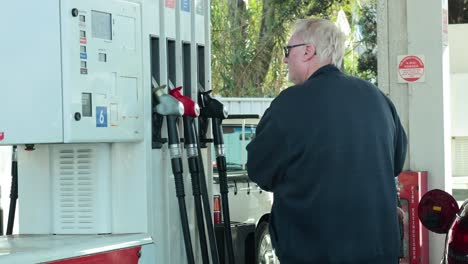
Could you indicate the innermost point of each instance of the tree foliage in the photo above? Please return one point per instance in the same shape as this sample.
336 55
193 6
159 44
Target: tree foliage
247 41
363 48
458 11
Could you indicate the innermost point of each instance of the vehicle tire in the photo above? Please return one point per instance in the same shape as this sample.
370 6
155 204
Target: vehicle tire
264 251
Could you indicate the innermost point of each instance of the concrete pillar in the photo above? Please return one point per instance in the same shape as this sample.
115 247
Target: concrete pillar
416 27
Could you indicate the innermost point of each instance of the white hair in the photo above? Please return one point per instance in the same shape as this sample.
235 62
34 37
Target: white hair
327 38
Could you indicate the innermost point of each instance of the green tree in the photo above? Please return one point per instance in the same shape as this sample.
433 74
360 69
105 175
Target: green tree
247 37
361 56
458 11
247 41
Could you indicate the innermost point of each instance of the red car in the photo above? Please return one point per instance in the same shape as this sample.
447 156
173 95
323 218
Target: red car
438 211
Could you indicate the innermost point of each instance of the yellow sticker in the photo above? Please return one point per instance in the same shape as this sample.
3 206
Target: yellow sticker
437 208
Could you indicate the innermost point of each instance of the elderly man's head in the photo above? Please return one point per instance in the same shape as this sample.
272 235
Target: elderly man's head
313 44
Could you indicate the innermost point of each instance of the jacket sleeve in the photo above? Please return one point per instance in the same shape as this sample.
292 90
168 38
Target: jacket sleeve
400 145
267 154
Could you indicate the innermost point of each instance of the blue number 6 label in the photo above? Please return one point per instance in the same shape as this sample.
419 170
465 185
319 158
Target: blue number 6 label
101 116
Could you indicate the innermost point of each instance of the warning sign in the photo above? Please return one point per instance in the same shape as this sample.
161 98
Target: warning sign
169 4
411 68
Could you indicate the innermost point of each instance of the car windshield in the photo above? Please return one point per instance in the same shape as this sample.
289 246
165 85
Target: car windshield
235 143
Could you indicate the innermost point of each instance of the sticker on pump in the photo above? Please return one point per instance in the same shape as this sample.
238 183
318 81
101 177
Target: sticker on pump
170 3
101 116
2 136
185 5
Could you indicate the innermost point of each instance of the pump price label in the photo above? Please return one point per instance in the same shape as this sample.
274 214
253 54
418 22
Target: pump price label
185 5
101 116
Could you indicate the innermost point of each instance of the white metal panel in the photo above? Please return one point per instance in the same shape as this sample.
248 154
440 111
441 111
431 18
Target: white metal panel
129 190
170 19
200 14
185 10
30 79
35 191
459 96
110 70
458 37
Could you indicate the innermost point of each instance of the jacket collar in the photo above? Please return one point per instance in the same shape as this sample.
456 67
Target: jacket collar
324 69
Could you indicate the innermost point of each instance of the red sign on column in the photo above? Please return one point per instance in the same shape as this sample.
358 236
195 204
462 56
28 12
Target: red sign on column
2 135
170 3
411 68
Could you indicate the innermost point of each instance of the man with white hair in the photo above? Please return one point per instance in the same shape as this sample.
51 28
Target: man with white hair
329 148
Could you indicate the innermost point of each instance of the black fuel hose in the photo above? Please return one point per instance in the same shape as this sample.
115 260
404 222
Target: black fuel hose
206 206
177 170
224 190
192 156
13 191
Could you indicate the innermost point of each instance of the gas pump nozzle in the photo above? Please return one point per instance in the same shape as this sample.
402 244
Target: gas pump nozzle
171 108
211 108
214 109
191 108
199 188
167 105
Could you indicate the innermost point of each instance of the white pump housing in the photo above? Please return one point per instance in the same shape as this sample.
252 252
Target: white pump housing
73 72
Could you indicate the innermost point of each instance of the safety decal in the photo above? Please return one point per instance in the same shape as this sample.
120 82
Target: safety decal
170 3
2 136
101 116
411 68
185 6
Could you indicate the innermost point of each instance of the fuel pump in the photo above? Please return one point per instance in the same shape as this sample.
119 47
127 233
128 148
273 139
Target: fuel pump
192 110
212 108
169 107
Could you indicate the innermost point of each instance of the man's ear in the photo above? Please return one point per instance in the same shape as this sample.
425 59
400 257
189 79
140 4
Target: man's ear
309 52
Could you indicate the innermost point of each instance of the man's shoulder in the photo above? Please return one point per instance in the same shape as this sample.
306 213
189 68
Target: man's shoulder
288 95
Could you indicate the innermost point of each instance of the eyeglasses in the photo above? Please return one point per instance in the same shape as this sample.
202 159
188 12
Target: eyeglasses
287 48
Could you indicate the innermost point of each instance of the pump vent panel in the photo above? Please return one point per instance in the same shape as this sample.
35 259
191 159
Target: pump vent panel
75 182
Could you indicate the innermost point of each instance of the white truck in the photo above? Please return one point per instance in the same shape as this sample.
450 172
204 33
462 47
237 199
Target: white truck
248 203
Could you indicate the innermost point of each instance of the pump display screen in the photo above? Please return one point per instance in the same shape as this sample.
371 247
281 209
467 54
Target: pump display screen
101 25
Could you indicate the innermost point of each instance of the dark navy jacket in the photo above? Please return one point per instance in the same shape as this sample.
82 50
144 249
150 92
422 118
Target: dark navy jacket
329 150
